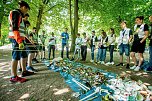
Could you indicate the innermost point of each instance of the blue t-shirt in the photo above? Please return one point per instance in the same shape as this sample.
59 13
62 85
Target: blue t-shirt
66 37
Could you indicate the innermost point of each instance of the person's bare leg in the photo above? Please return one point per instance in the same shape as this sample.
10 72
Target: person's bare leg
128 59
141 59
133 58
121 58
23 64
14 67
30 57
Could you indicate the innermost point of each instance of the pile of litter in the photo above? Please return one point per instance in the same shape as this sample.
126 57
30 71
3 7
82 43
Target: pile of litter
90 83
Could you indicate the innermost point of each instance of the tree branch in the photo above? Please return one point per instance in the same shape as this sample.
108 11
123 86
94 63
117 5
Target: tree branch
51 8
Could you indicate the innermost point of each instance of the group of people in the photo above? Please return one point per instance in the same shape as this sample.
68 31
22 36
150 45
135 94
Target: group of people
27 45
130 42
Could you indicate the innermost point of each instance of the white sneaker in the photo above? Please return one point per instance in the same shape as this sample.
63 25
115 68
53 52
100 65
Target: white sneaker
91 60
112 63
102 62
133 67
99 62
137 68
108 63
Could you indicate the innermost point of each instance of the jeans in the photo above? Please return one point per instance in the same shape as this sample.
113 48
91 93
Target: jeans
92 52
103 54
150 56
111 49
51 47
99 54
83 52
67 50
76 52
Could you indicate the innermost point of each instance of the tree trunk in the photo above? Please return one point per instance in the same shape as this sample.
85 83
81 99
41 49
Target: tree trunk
71 26
39 18
0 30
75 25
1 17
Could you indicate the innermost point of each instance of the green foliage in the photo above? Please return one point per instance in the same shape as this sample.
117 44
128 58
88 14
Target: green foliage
93 14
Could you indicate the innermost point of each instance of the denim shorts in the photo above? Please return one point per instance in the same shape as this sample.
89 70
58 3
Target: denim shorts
124 48
17 54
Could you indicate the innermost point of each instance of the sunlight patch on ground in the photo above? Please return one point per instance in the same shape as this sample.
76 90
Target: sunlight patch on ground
1 73
29 86
11 89
128 71
138 74
3 86
5 66
55 89
6 77
27 95
3 70
2 59
61 91
3 63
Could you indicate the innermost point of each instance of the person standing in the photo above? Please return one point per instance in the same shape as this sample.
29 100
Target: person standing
99 47
17 37
34 39
139 43
65 39
84 47
42 45
111 43
150 45
104 41
52 43
124 40
78 43
93 41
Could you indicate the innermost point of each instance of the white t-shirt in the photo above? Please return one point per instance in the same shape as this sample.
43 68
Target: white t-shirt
78 43
111 39
84 41
52 41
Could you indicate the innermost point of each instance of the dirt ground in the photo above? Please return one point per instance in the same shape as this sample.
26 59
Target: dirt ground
47 85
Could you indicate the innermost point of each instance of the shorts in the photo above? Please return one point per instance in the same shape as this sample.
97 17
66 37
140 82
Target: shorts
124 48
17 54
138 47
30 48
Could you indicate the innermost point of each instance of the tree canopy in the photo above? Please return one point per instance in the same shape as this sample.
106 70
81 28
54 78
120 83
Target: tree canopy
54 15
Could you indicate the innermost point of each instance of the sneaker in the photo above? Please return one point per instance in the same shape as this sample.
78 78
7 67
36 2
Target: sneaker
102 62
112 63
31 69
137 68
127 66
133 67
91 60
35 60
99 62
27 73
120 64
20 70
108 63
17 79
